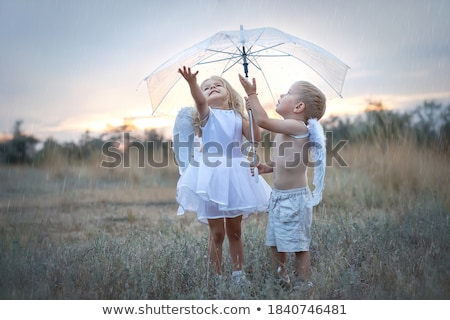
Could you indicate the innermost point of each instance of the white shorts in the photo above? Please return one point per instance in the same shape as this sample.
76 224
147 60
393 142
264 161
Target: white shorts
289 221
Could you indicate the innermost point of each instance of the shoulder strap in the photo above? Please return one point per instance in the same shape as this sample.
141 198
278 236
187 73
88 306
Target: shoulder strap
300 136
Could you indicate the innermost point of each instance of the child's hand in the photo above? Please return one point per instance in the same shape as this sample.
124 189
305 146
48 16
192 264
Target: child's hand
188 75
250 88
262 168
247 103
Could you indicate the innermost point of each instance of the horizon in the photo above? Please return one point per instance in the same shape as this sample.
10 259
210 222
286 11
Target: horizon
141 126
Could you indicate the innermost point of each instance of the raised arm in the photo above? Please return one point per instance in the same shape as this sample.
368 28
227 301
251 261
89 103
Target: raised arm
286 126
196 92
252 101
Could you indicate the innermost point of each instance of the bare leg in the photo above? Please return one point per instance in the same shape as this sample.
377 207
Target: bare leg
303 265
279 260
234 233
216 237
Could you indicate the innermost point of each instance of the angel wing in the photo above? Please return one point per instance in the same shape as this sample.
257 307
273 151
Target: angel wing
319 158
186 144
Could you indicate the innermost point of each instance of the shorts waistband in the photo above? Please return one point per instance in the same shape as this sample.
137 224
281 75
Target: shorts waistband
304 190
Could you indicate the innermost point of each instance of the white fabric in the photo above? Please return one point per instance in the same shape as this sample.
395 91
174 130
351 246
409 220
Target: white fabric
318 157
186 143
219 183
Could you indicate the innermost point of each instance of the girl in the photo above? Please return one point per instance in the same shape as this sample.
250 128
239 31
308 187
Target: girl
218 185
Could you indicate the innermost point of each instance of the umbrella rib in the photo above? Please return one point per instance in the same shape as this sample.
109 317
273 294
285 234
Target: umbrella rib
165 96
226 68
271 55
233 55
253 56
265 79
312 68
200 63
266 48
173 85
212 61
227 52
320 75
253 61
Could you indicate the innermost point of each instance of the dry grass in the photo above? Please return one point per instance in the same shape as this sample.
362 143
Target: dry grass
83 232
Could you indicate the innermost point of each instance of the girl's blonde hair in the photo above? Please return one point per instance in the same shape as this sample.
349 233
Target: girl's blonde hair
235 101
314 99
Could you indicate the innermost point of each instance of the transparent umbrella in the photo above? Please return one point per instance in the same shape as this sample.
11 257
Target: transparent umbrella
276 59
270 54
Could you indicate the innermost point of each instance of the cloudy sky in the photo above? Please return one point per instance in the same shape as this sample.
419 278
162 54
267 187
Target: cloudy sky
68 66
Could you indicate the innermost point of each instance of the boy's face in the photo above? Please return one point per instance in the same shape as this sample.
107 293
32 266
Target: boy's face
288 102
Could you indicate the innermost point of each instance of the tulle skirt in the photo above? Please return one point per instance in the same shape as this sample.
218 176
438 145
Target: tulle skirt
221 188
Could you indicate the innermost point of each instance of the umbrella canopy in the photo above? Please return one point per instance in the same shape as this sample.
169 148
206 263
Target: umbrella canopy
276 59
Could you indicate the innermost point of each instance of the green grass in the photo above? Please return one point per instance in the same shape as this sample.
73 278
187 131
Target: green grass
382 232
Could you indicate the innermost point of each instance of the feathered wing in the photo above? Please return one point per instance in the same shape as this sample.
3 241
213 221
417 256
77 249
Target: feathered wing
318 157
186 143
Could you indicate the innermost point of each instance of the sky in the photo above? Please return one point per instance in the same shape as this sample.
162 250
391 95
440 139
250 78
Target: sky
71 66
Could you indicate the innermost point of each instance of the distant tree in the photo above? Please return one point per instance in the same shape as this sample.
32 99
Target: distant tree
339 126
154 137
378 124
49 149
20 149
429 118
90 146
444 131
374 106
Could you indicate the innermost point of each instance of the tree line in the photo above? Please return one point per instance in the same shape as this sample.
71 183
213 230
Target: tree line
428 125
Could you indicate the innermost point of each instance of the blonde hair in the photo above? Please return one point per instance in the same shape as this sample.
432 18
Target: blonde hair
235 101
314 99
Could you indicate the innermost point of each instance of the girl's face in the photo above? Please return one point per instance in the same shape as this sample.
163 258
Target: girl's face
214 92
288 101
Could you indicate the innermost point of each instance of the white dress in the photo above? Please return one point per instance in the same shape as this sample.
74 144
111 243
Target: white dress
219 184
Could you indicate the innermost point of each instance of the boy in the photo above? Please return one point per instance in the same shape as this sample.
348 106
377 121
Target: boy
291 202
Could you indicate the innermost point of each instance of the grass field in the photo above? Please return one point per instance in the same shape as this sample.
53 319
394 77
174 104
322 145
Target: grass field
84 232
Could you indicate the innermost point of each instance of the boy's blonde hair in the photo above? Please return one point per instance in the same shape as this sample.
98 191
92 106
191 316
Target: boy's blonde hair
314 99
235 101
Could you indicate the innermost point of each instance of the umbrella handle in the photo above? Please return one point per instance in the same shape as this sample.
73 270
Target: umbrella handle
255 172
252 133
